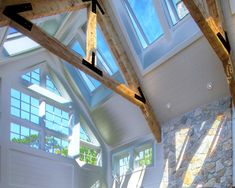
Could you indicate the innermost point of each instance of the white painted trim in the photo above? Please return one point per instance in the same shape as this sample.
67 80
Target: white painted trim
171 53
232 6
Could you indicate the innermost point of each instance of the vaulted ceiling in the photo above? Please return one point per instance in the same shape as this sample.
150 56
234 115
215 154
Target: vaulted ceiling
189 76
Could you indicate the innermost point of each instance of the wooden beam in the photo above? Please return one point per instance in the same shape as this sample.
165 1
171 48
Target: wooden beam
91 33
60 50
126 67
211 35
46 8
43 8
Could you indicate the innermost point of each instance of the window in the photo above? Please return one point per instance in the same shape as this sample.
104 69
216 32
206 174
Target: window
105 60
51 86
144 20
124 165
88 155
16 43
177 10
24 135
48 125
24 106
84 136
57 119
56 145
143 157
32 77
134 158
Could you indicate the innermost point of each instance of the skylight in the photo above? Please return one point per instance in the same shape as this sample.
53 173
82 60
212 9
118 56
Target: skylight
105 61
17 43
91 83
177 10
145 20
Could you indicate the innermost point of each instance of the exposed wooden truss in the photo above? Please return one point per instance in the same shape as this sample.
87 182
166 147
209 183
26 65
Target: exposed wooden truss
45 8
91 33
42 8
126 67
210 29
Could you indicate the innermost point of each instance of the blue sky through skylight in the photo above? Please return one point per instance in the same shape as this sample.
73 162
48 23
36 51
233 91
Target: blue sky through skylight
145 13
105 60
104 50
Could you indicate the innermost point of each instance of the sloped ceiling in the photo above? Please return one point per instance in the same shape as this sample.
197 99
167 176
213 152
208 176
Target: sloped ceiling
180 81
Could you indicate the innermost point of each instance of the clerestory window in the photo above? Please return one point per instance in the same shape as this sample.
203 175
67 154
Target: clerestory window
145 21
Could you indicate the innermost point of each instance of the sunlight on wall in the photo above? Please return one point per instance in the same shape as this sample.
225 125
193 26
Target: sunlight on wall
164 182
202 153
131 180
181 140
136 178
74 144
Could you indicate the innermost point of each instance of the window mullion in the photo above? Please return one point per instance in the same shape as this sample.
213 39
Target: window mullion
106 66
42 105
137 23
174 10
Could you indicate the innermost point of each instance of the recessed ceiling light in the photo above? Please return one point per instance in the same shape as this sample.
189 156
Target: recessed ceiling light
210 85
168 105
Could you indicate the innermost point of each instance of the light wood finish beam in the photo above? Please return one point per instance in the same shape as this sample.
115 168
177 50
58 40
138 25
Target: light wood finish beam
91 33
126 67
43 8
215 43
46 8
60 50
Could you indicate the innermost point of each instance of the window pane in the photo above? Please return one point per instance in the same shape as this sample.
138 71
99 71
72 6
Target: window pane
15 128
15 102
77 48
15 93
177 10
24 135
124 165
105 52
143 9
54 119
143 157
24 106
180 8
88 155
15 112
142 41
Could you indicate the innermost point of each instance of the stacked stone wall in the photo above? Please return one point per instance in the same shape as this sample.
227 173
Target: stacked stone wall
198 147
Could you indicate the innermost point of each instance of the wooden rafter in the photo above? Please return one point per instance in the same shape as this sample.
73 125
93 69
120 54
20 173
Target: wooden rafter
46 8
42 8
91 33
126 67
210 30
60 50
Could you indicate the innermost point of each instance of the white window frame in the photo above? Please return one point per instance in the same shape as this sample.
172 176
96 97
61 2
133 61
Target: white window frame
126 5
43 131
